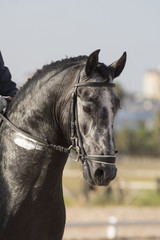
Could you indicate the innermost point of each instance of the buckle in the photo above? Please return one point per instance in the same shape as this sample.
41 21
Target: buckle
74 153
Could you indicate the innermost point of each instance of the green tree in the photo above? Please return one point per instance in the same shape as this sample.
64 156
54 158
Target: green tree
139 141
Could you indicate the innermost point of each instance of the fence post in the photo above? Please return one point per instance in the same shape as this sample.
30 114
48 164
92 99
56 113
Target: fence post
111 232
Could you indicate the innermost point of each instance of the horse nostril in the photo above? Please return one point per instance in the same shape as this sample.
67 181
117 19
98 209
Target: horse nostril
99 173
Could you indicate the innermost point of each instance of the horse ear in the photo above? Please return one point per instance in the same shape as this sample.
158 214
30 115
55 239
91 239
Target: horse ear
118 66
92 62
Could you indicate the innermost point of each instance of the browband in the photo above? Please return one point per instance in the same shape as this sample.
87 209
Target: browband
95 84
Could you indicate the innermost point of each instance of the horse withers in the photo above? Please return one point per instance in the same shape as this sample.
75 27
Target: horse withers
67 107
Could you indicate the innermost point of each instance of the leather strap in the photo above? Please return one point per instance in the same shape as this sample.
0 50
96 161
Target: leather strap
38 140
95 84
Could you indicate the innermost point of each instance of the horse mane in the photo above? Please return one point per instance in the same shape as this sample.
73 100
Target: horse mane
58 66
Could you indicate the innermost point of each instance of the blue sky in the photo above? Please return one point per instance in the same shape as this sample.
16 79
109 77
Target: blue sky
36 32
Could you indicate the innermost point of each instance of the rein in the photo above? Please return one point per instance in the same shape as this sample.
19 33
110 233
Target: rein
37 140
76 150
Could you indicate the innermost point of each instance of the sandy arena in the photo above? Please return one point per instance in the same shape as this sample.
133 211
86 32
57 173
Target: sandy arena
101 214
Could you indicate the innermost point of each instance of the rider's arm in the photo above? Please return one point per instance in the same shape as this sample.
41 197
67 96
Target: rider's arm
7 86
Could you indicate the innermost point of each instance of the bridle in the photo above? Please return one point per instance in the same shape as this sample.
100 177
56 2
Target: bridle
76 150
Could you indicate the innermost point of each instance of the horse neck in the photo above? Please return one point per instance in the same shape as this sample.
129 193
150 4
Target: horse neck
37 108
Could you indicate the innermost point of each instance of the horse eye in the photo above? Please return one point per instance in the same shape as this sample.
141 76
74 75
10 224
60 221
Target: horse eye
86 109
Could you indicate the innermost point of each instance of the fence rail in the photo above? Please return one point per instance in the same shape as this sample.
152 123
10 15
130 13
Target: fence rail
113 224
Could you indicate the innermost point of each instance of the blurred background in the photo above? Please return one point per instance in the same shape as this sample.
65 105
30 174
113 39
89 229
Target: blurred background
36 32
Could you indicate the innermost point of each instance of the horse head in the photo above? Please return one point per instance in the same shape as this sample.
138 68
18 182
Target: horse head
97 104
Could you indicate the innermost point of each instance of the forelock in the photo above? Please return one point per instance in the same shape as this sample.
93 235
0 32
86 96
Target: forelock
103 71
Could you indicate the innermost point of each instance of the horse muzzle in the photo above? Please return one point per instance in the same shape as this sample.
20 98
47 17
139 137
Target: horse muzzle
99 169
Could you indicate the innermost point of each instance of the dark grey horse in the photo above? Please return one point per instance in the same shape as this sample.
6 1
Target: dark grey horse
67 107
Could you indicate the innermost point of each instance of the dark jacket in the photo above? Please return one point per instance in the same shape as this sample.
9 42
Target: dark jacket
7 87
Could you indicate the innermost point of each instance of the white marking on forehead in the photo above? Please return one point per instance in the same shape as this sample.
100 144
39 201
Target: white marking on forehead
26 142
106 101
